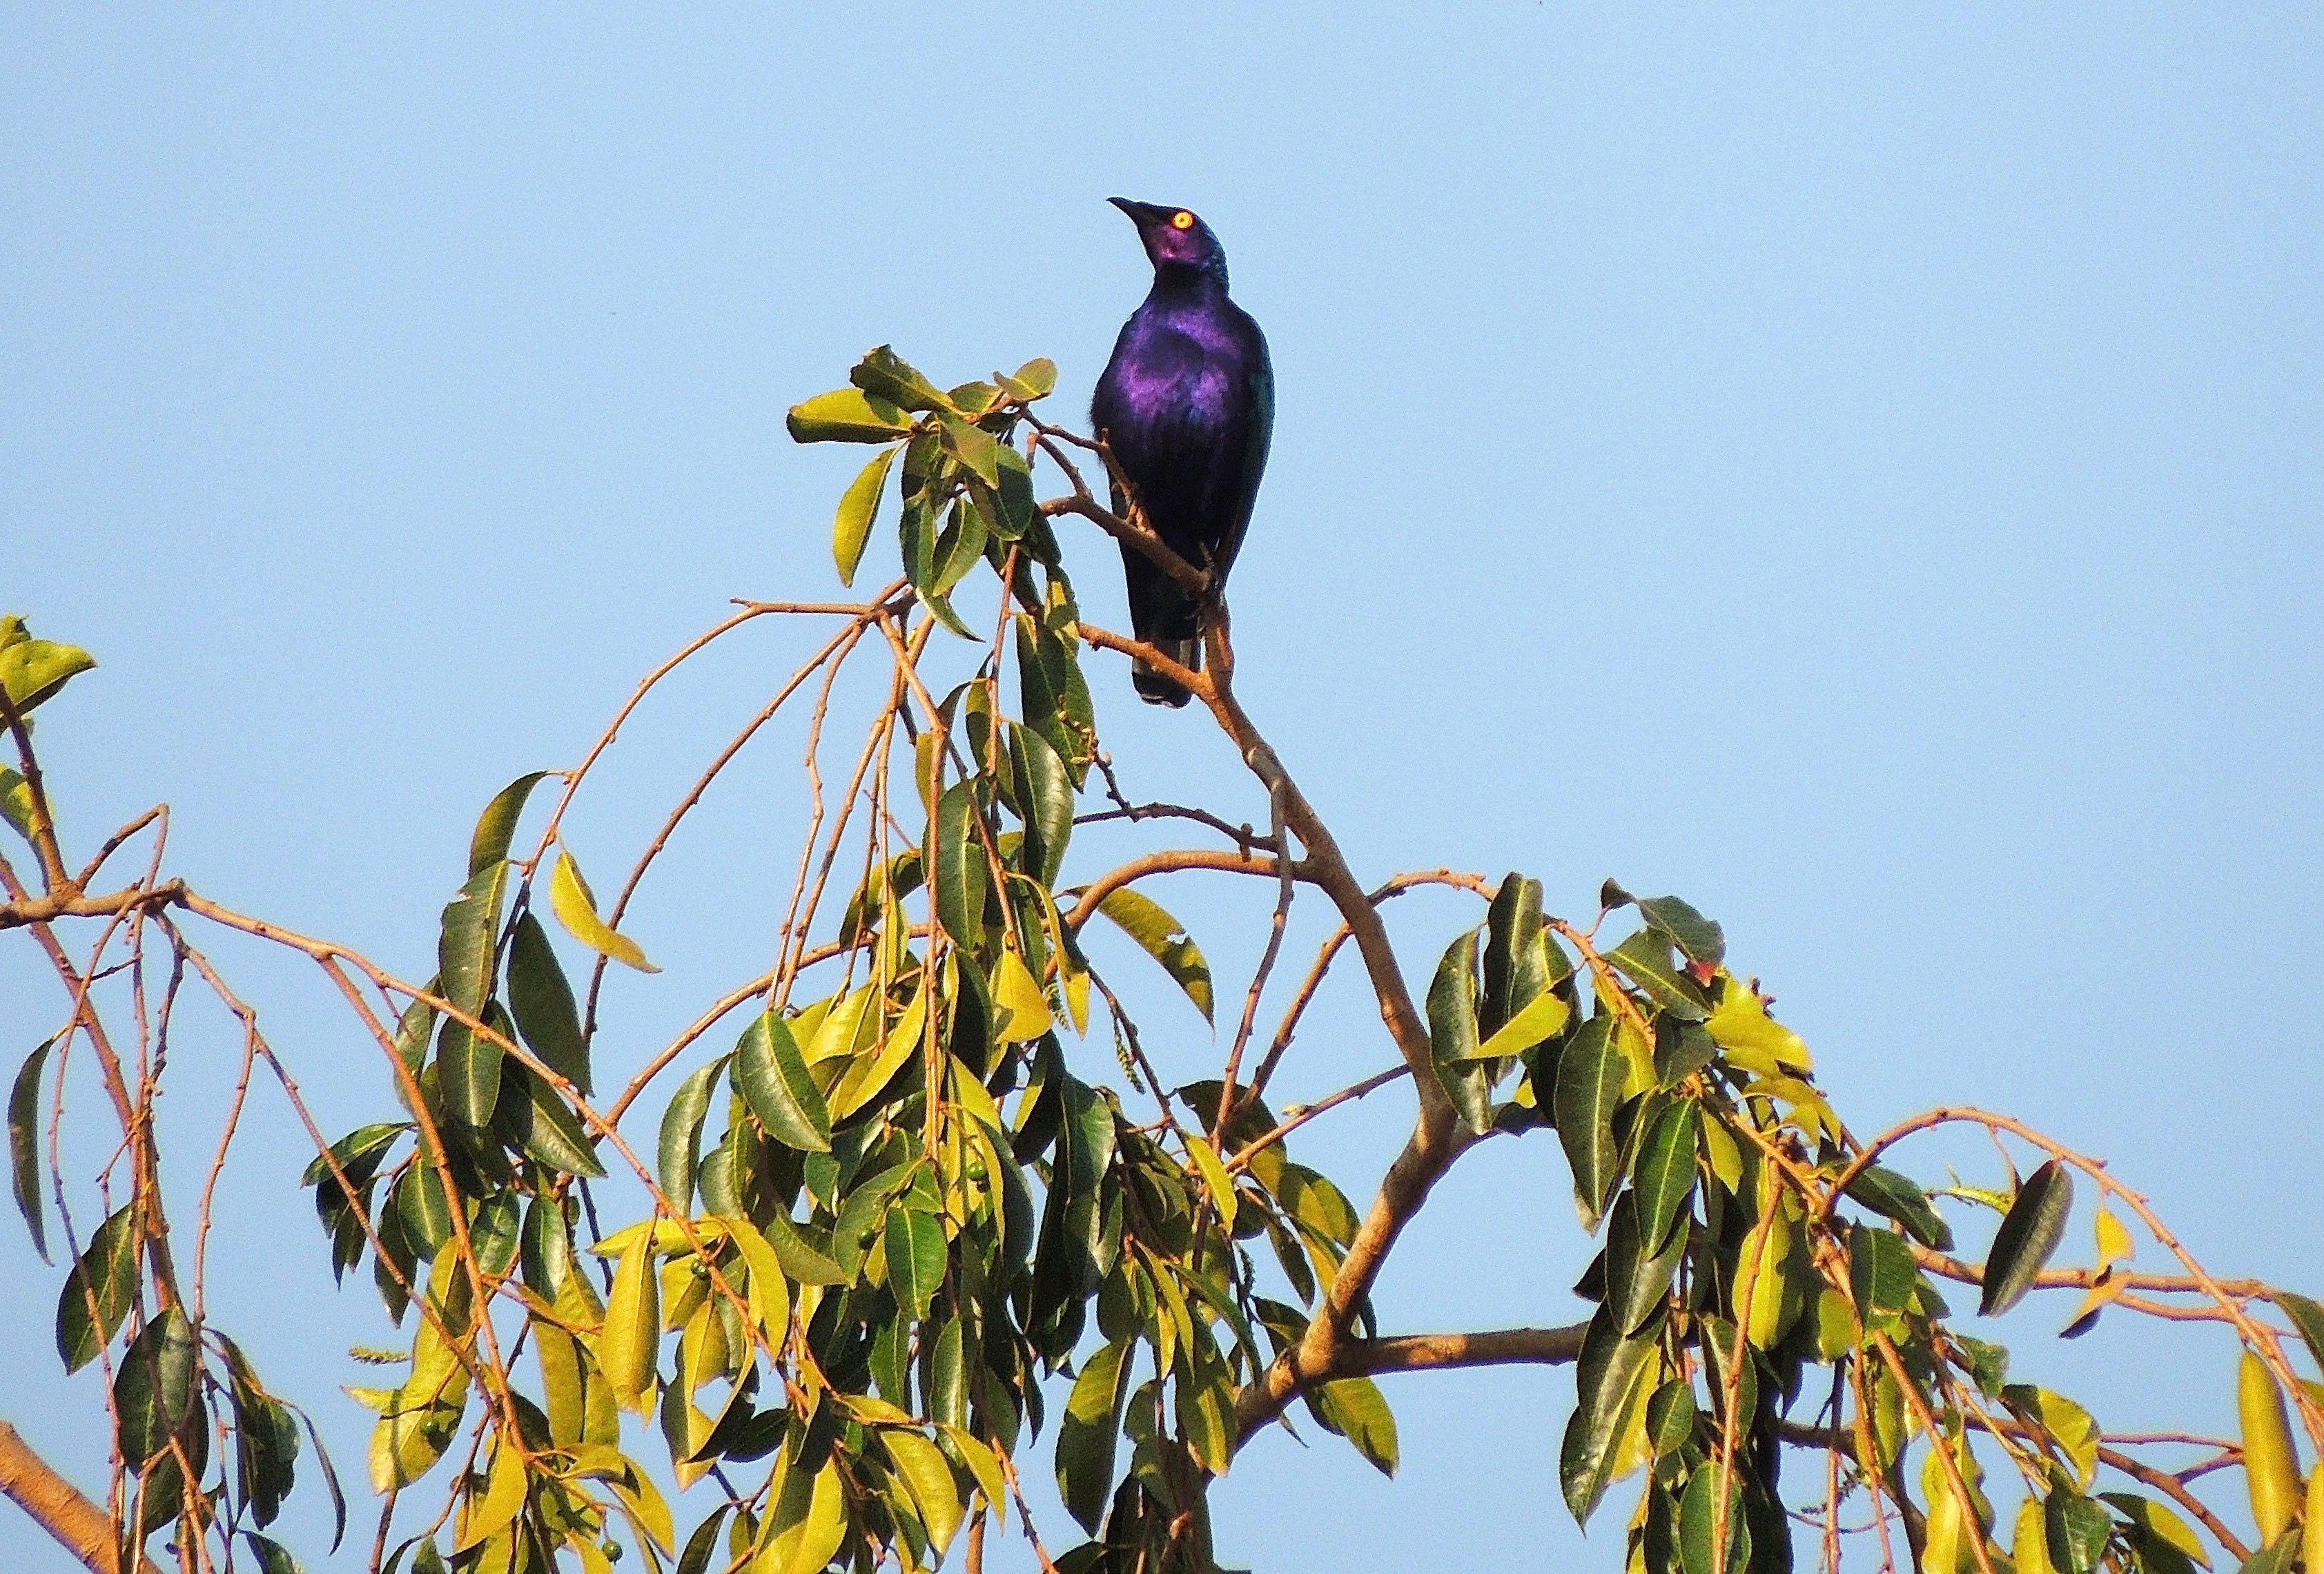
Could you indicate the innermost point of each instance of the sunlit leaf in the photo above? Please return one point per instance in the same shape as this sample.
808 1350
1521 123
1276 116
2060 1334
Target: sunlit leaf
846 415
1086 1435
1164 939
858 507
679 1154
576 910
1354 1408
34 670
773 1078
631 1340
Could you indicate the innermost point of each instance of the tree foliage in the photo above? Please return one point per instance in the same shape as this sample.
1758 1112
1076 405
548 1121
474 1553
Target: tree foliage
922 1215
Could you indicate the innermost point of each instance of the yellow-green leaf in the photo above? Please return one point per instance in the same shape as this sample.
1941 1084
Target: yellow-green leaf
2114 1245
484 1512
1164 939
34 670
1541 1017
631 1336
1026 1010
1215 1176
870 1073
576 910
930 1479
846 415
1754 1041
858 507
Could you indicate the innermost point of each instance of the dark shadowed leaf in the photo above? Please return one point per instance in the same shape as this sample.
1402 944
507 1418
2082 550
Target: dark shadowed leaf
1888 1193
496 827
1088 1432
1663 1175
958 860
272 1556
1880 1274
1609 1385
885 374
107 1273
1637 1273
2308 1317
1515 961
1697 938
1047 793
2029 1234
1589 1086
470 945
2077 1531
542 1001
537 1122
773 1078
25 1145
1452 1033
1646 960
153 1391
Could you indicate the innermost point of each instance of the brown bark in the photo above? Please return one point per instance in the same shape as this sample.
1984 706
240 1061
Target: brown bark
57 1506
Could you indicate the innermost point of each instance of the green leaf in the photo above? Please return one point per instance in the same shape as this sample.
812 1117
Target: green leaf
1088 1432
1670 1417
495 1232
2029 1234
1698 1523
1046 790
858 507
1881 1275
884 374
631 1339
1589 1086
800 1258
1035 379
958 860
929 1479
496 827
973 447
2077 1531
24 1145
1542 1018
1637 1273
1354 1408
153 1391
1215 1178
16 804
2074 1428
1646 960
1663 1175
1894 1196
2153 1525
1697 938
34 670
846 415
1452 1033
914 1245
576 910
272 1556
1610 1384
542 1001
2308 1317
1164 939
107 1275
468 1064
772 1075
538 1124
678 1157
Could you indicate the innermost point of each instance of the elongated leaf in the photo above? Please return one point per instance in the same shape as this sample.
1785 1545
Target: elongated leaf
1542 1018
25 1145
1589 1086
106 1275
1515 960
631 1339
1164 939
538 1123
2029 1234
272 1556
1637 1273
496 827
858 507
1753 1040
1881 1275
864 1080
1663 1175
483 1515
884 374
153 1391
542 1001
1354 1408
772 1075
2308 1317
1088 1432
679 1157
2077 1531
2152 1525
1046 790
916 1259
1610 1382
576 910
1896 1196
1697 938
801 1259
16 804
957 856
846 415
1452 1033
929 1479
468 948
1645 958
1215 1180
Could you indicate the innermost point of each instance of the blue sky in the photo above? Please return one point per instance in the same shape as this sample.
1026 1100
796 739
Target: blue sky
1861 474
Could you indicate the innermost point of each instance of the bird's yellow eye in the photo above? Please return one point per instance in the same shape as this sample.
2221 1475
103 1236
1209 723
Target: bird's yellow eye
1182 219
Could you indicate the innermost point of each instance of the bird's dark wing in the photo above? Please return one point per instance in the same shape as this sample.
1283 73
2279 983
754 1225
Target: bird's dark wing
1257 433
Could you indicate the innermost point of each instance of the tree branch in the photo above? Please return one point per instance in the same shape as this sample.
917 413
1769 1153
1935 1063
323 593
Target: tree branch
59 1508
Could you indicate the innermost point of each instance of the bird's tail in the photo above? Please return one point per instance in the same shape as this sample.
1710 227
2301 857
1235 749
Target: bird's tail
1157 689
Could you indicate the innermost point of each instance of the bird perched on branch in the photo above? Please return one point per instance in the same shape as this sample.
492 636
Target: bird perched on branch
1187 403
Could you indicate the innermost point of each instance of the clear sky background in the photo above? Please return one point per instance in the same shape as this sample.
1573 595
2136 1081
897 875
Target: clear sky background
1863 475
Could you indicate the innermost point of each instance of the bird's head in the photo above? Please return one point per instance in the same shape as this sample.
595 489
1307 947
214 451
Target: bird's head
1175 238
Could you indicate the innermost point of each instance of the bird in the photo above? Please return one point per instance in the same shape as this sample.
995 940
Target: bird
1187 406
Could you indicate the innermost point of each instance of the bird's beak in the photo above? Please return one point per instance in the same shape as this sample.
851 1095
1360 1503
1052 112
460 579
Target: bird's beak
1141 214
